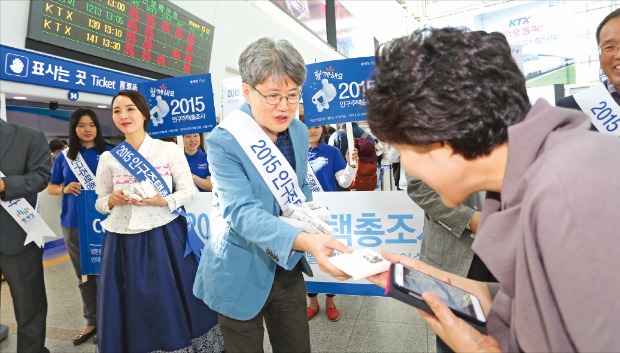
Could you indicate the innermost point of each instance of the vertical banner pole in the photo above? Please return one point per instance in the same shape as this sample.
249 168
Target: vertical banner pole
350 140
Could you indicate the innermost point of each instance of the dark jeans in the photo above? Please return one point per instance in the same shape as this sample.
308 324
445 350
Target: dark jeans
285 316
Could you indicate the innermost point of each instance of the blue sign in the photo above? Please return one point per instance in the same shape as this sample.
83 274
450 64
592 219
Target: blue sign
73 95
90 231
180 105
334 91
25 66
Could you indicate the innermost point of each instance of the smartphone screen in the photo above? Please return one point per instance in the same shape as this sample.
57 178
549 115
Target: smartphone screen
457 299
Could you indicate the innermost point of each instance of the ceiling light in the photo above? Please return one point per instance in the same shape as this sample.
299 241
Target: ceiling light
20 98
102 106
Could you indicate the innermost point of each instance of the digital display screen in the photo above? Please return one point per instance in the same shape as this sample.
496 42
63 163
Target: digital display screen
353 38
154 35
311 13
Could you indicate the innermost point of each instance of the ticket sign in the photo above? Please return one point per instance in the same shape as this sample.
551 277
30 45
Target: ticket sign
26 66
334 91
179 106
154 35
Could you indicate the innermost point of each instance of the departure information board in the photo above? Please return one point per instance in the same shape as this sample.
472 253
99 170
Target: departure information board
154 35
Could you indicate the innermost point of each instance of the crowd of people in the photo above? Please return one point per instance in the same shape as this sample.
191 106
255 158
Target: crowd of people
539 254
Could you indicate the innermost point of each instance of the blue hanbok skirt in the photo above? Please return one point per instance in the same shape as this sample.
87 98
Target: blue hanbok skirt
145 301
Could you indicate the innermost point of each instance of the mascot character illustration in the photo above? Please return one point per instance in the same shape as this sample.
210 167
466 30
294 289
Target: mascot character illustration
161 109
327 94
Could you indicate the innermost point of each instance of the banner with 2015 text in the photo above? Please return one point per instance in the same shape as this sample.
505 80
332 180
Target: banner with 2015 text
377 220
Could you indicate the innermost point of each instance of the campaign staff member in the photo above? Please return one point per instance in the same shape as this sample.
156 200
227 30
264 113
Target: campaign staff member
145 300
197 161
252 264
74 169
326 167
598 99
549 228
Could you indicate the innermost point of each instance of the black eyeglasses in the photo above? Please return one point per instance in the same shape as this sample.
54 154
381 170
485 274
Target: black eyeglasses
275 98
608 50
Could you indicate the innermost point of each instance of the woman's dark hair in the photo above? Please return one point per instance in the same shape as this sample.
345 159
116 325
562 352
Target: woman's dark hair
613 14
449 85
327 132
74 141
138 99
57 145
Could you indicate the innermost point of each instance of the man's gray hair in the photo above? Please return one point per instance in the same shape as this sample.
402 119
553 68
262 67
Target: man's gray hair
265 58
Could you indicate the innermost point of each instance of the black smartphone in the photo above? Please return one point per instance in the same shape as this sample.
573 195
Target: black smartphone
408 285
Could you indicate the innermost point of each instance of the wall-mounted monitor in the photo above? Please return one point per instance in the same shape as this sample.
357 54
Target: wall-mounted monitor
152 38
310 13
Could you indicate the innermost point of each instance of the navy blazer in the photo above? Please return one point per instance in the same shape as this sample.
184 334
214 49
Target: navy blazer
246 238
25 160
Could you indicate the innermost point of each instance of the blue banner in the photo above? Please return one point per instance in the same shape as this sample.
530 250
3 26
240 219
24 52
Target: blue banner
91 232
334 91
180 105
25 66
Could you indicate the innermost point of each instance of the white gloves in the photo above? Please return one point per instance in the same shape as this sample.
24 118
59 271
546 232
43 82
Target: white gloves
142 190
309 216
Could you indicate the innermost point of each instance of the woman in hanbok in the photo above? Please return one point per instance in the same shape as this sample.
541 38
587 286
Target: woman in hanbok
145 300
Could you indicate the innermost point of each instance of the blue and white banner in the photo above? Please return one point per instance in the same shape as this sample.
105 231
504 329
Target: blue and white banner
334 91
180 105
387 220
26 66
90 231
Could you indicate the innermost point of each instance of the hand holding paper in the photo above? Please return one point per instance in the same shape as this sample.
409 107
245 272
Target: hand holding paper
360 263
309 216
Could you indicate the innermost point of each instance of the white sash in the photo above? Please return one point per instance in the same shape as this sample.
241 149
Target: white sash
312 180
81 171
27 218
277 173
603 111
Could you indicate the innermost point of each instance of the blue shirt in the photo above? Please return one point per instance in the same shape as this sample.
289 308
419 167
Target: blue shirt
62 174
198 165
326 161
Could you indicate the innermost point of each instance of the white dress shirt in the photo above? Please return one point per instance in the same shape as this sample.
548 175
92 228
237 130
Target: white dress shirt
168 159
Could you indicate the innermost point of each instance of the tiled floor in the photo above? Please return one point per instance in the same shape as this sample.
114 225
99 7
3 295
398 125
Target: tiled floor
367 324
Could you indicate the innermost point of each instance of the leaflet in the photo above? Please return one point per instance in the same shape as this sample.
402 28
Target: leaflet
360 263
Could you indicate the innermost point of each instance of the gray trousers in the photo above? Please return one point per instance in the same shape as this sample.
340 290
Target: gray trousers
285 316
88 289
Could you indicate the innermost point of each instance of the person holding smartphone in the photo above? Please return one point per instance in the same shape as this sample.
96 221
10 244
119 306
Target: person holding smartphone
549 225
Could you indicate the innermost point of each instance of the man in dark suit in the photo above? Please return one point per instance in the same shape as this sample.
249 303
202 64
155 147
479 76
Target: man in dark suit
608 40
25 161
